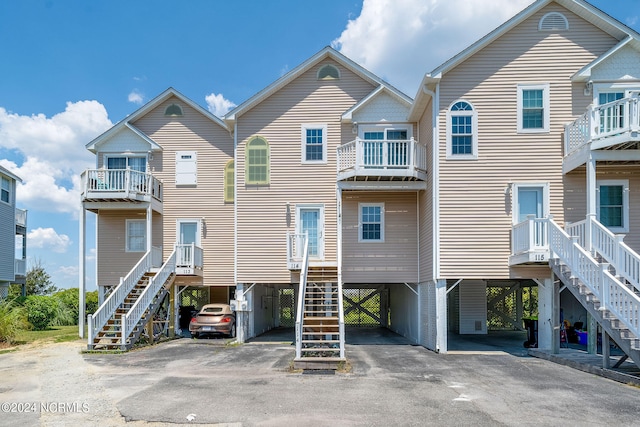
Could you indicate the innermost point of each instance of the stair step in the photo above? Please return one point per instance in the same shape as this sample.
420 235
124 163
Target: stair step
321 341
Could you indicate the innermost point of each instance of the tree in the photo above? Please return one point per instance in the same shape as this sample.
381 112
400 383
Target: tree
39 281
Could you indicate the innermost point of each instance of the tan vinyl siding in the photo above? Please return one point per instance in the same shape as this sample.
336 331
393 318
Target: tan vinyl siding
425 214
396 259
214 146
114 261
475 200
263 220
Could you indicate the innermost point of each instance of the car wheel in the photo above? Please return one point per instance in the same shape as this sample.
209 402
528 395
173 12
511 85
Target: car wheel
196 334
232 332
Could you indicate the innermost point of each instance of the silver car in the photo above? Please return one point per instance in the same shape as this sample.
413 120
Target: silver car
213 319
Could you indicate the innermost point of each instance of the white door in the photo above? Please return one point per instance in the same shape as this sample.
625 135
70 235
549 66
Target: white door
530 200
188 234
311 221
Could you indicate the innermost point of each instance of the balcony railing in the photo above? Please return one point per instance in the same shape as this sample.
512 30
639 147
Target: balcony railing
295 250
20 267
189 259
393 158
21 217
120 183
529 242
603 121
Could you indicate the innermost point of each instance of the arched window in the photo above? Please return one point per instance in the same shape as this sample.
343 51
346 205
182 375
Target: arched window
462 131
257 161
553 21
229 182
173 110
328 72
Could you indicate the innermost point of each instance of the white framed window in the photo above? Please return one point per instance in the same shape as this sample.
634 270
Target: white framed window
136 238
462 131
257 155
613 204
385 145
186 168
328 72
310 221
529 199
533 108
5 190
136 163
371 222
314 143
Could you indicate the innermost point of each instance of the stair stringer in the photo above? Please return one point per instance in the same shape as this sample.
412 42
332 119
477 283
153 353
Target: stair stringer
623 337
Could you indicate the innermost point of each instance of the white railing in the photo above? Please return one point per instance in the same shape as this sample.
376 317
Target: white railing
126 181
156 256
188 255
603 121
613 295
295 250
20 267
21 217
341 320
133 316
97 320
609 246
530 234
301 291
367 155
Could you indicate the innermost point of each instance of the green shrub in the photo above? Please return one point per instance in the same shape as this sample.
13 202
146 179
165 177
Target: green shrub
41 311
12 319
69 300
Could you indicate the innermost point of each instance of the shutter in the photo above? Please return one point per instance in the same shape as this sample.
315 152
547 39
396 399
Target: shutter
186 168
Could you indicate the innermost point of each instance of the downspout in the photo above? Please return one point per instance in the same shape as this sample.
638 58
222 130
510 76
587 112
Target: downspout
235 203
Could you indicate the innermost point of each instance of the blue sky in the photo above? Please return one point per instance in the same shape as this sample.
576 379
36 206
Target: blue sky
73 68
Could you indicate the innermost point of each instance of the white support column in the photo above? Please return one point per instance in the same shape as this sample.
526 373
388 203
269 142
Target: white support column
149 227
241 332
591 200
82 285
441 316
549 316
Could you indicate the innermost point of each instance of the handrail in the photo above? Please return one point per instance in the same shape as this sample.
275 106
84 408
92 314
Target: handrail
295 246
530 234
98 319
20 267
125 181
133 316
382 154
301 291
602 121
188 255
613 295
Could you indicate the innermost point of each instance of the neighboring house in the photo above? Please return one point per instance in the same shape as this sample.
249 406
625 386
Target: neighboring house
13 234
537 120
331 199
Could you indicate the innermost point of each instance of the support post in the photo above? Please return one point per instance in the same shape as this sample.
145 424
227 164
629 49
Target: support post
606 351
592 335
82 285
172 311
549 315
441 316
591 202
149 228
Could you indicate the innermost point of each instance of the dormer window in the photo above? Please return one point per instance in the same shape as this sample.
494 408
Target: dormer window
173 110
328 72
553 21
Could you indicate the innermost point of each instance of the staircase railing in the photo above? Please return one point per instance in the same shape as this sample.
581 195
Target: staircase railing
610 247
97 320
614 296
341 320
301 291
133 316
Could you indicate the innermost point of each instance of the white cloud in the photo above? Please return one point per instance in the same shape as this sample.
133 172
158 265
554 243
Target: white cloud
218 105
136 97
407 38
69 271
48 238
632 21
55 153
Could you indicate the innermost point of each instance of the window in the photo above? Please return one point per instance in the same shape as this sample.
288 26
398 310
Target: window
385 147
371 222
257 162
229 182
533 108
462 133
314 143
611 118
173 110
5 190
186 168
136 235
127 162
553 21
613 204
328 72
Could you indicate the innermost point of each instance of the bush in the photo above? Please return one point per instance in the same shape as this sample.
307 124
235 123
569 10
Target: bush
69 301
12 319
41 311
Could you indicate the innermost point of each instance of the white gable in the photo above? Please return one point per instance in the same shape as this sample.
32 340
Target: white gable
125 141
621 65
382 108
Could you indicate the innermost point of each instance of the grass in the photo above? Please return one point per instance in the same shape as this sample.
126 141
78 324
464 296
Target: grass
54 334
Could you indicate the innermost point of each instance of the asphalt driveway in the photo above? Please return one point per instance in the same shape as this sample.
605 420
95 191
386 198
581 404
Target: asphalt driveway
207 382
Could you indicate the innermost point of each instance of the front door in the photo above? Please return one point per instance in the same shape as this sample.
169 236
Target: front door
188 233
530 200
311 222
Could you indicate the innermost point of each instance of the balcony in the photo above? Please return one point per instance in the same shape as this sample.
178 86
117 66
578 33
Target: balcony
611 126
120 185
529 242
189 259
382 160
20 268
21 218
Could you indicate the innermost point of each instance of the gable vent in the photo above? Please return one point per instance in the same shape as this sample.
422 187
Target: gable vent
553 21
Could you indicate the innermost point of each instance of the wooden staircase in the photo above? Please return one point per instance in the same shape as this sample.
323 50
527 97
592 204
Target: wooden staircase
322 345
110 336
